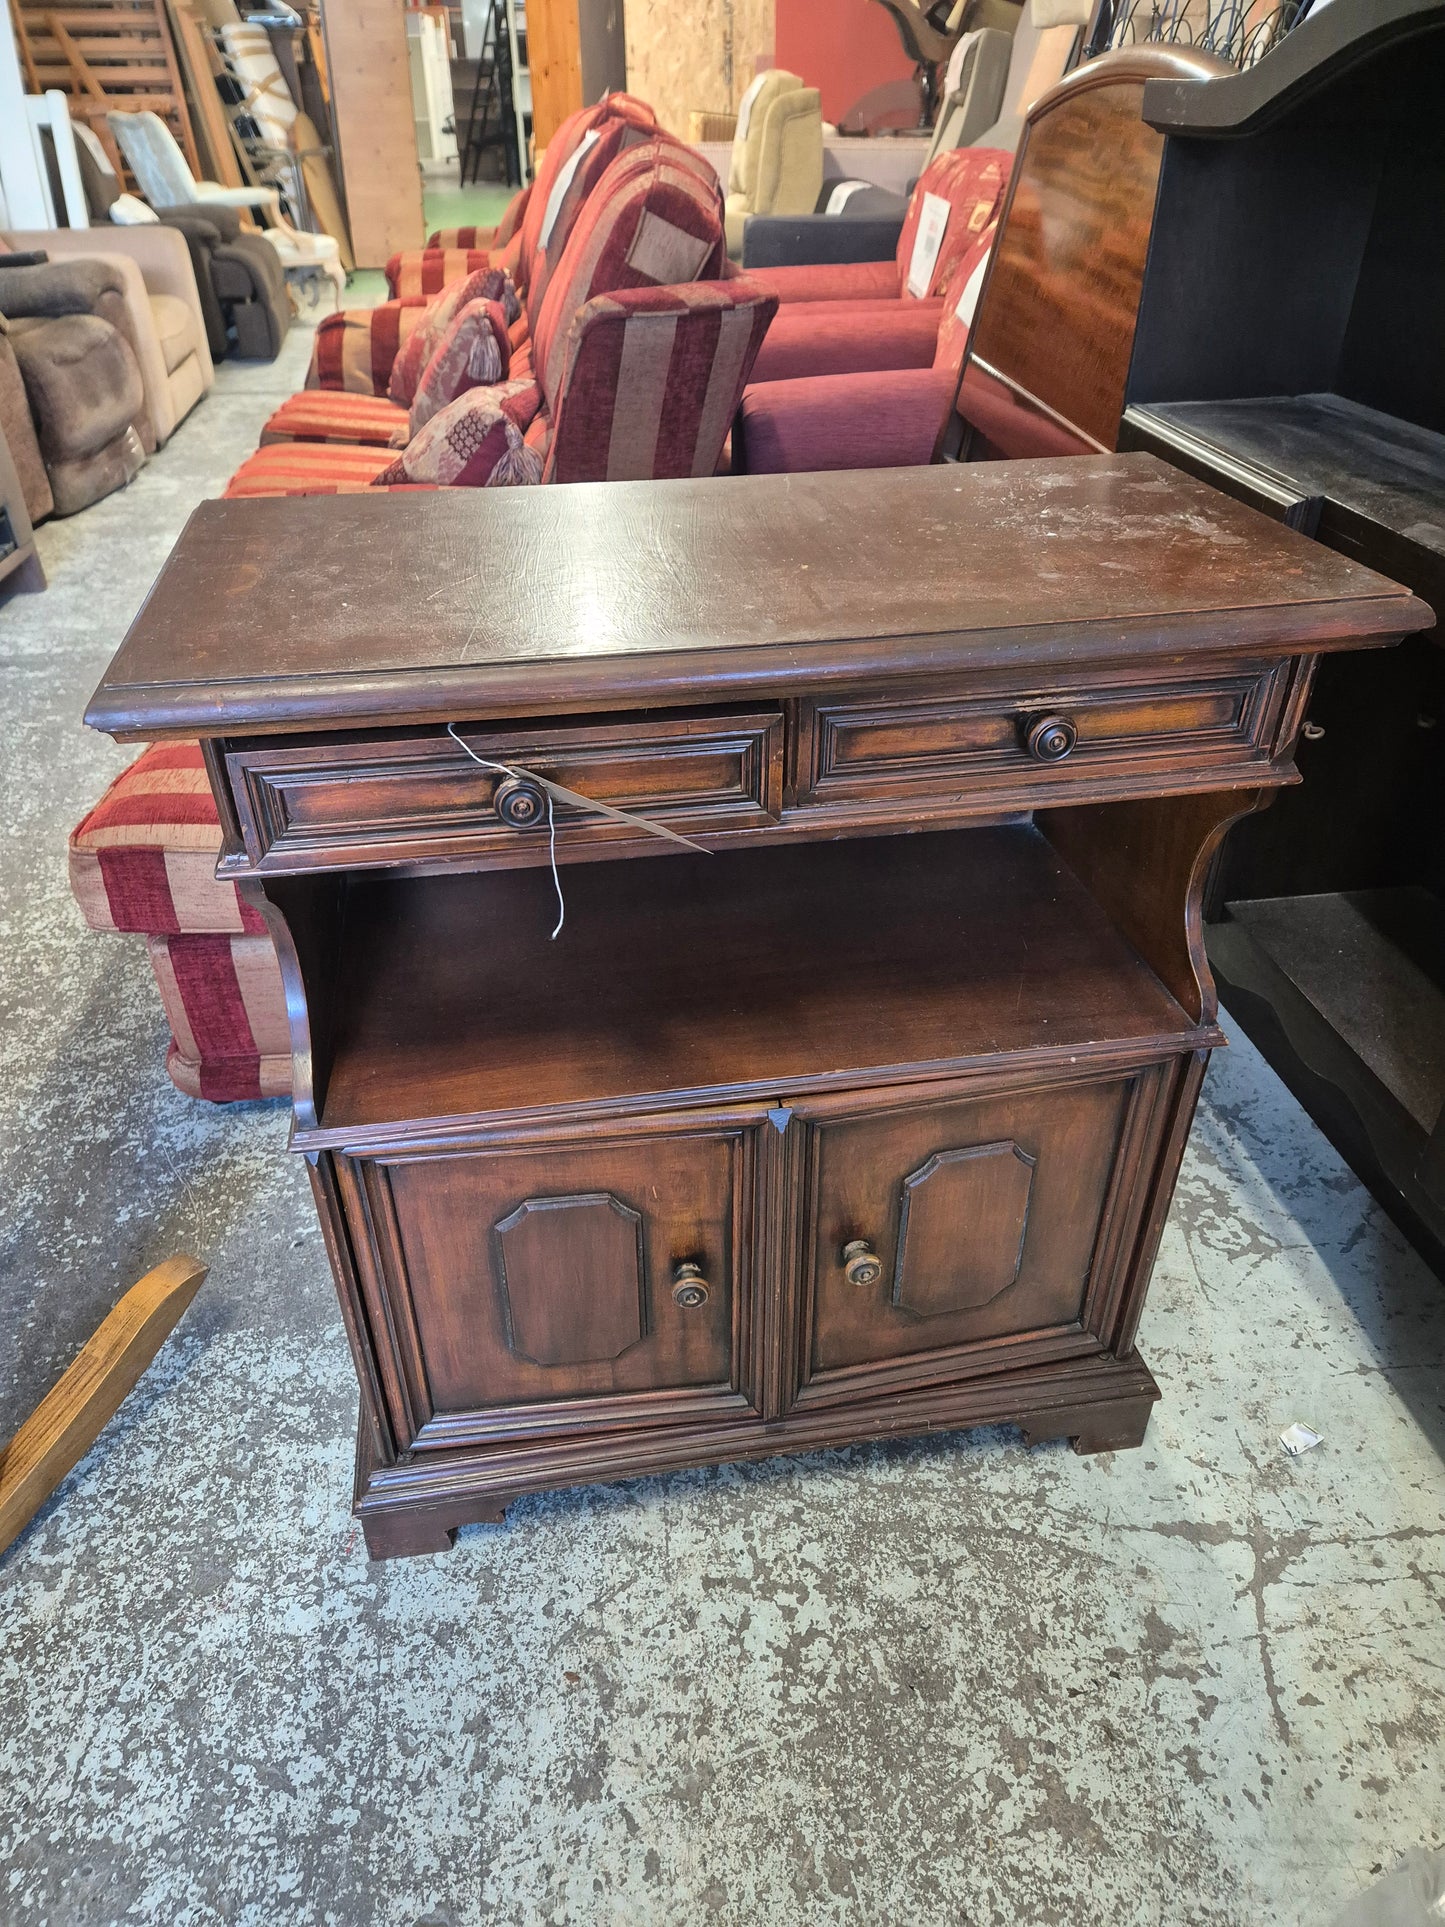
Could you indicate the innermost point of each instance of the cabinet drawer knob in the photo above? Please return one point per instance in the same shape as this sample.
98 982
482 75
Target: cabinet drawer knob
1050 738
520 803
861 1264
689 1287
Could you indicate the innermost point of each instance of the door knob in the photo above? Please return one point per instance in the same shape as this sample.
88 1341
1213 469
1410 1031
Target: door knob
689 1287
1049 739
519 803
861 1264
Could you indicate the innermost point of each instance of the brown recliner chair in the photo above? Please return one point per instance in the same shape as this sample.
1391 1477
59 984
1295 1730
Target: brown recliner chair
82 381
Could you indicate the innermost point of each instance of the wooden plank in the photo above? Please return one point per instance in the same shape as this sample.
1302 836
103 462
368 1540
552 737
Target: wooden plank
554 54
211 125
375 134
73 1414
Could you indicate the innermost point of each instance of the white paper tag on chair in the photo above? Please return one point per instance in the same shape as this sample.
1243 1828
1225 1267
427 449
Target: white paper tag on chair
968 300
745 106
842 194
562 183
926 242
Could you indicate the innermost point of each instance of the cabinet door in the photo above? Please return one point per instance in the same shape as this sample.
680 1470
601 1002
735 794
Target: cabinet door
558 1287
946 1239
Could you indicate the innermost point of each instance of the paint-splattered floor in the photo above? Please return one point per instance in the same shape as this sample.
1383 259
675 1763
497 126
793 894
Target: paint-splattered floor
933 1684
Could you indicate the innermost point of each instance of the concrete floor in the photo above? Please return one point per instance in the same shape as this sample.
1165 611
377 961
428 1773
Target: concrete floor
936 1683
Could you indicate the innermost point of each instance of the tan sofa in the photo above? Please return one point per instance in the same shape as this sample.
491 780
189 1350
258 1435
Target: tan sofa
777 157
166 326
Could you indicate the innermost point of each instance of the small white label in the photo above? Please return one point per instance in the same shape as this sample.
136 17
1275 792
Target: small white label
842 194
561 185
932 225
1298 1438
745 106
972 288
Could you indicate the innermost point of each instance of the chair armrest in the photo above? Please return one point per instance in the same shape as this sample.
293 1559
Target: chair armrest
784 240
160 259
55 288
203 228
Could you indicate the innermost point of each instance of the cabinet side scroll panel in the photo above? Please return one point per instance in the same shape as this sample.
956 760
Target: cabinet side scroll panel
1146 862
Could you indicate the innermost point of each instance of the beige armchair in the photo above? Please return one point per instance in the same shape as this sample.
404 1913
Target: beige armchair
163 310
777 157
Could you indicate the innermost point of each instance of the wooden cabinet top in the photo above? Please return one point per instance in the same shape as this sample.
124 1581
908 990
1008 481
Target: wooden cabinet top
354 611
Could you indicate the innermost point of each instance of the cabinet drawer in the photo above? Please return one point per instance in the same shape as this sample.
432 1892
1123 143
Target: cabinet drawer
529 1290
945 1240
1025 744
403 798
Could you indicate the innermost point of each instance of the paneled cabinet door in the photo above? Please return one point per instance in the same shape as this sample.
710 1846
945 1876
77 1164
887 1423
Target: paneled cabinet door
558 1287
947 1238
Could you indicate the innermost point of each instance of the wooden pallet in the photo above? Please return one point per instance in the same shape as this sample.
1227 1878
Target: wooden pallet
108 56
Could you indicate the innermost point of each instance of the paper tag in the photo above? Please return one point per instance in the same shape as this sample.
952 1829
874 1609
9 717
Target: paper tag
745 106
842 194
968 300
1298 1438
561 185
926 242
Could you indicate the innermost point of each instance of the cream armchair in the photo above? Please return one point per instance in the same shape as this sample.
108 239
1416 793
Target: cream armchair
777 157
166 326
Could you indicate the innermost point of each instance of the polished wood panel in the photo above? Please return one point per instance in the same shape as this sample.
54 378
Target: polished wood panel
383 799
1048 356
521 1303
774 585
371 108
554 60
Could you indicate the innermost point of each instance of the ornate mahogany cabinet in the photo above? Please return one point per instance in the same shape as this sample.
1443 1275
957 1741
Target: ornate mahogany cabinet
848 1097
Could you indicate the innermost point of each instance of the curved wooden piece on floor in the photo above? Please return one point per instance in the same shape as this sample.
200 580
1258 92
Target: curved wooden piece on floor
73 1414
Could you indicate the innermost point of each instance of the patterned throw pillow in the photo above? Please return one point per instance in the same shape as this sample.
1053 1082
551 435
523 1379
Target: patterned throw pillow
487 284
476 441
473 353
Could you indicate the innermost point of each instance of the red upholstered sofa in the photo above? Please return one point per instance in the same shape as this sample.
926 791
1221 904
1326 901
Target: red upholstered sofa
520 240
638 366
1045 362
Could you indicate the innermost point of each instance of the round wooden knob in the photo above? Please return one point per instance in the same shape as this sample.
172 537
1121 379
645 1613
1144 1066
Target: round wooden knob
861 1264
519 803
1050 738
689 1287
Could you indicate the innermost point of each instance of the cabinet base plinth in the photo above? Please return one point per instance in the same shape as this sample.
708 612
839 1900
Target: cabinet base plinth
1100 1404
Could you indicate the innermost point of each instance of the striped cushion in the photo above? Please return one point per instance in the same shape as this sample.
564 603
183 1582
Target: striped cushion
144 859
484 237
426 271
307 468
650 379
354 350
226 1007
652 222
972 180
326 415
